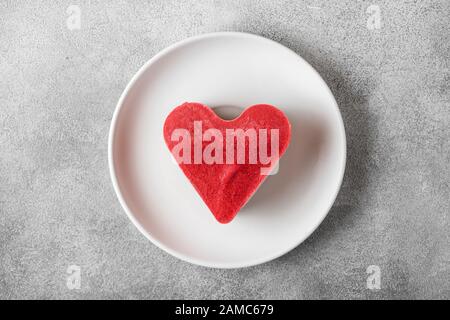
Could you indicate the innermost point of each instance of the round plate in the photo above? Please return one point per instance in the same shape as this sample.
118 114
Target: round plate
234 70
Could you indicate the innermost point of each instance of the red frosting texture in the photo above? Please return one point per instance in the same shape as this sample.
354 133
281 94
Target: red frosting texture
226 186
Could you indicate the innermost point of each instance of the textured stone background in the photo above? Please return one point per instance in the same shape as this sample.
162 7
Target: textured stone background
58 90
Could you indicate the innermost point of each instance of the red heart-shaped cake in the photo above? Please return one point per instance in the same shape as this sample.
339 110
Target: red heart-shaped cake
226 161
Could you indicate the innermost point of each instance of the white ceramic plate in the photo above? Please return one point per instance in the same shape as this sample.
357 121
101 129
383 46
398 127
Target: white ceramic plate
232 71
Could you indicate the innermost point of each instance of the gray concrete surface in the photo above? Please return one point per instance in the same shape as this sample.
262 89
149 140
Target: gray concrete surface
58 90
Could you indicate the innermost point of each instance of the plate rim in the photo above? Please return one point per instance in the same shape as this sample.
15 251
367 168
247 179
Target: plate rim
116 187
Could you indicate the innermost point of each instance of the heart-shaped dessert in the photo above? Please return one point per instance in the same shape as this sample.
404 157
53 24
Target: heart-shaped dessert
226 161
